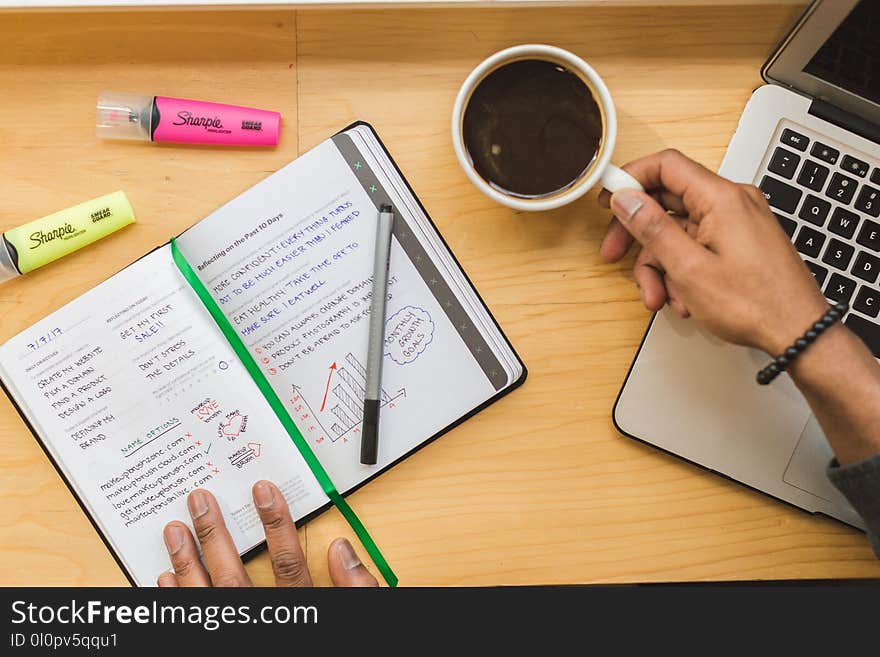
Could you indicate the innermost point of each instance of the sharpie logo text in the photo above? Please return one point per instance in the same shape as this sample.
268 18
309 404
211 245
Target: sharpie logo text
42 237
186 117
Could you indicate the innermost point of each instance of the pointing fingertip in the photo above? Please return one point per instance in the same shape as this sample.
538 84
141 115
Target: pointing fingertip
264 495
197 502
174 536
167 580
345 554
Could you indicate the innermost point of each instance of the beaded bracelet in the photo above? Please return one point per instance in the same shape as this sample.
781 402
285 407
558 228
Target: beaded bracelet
780 363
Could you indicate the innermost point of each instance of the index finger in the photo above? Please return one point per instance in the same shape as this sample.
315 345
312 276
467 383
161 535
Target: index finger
288 561
221 555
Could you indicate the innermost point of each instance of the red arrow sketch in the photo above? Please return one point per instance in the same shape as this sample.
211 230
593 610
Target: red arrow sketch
256 447
327 389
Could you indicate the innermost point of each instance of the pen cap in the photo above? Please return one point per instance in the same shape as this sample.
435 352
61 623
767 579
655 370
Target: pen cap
8 270
124 116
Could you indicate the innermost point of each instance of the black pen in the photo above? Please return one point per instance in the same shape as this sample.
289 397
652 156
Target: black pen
375 346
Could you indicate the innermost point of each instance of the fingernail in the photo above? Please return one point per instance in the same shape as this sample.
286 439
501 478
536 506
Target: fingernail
626 203
166 579
174 537
347 556
264 498
198 504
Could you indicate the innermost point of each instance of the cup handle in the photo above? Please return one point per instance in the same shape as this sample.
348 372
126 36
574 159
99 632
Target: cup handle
614 179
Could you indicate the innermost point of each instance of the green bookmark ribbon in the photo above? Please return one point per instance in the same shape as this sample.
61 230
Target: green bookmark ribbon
281 413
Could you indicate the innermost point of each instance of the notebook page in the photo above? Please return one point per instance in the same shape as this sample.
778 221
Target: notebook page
290 263
139 399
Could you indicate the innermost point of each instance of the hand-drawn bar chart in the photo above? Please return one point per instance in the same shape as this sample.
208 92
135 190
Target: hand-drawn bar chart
343 412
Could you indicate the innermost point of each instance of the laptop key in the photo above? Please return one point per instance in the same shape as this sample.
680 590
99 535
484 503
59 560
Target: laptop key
843 222
854 166
825 153
818 271
869 201
867 267
869 332
813 175
838 254
809 241
815 210
784 163
875 176
867 301
788 225
842 188
870 235
780 195
794 139
840 288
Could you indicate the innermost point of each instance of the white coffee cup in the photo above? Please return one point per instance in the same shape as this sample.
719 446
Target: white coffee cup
601 171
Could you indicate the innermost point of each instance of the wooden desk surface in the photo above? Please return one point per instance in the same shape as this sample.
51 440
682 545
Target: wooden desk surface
537 489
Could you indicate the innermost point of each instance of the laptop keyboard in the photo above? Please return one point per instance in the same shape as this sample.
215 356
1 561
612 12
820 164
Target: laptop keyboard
826 197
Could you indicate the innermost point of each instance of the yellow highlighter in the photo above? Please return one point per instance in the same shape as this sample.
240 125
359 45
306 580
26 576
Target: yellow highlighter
40 242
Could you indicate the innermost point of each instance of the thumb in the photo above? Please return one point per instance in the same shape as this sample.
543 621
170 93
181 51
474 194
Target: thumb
651 225
346 568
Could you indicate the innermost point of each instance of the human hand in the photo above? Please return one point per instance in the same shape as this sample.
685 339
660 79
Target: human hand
713 250
223 567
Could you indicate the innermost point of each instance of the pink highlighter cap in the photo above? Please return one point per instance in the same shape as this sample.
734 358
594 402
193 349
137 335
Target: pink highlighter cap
183 121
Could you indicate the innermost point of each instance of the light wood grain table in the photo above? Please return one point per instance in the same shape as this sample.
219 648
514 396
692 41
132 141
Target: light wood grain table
539 488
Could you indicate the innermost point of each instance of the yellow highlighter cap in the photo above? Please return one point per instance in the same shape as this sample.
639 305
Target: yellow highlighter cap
45 240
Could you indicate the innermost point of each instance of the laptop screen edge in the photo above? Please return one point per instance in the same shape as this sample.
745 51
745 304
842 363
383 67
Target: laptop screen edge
786 66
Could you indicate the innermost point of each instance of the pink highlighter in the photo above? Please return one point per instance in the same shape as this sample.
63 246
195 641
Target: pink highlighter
160 118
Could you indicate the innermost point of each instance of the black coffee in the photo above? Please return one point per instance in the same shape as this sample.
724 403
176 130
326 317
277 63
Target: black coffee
532 128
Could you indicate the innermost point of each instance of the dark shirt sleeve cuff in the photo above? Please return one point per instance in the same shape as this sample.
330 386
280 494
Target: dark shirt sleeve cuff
860 484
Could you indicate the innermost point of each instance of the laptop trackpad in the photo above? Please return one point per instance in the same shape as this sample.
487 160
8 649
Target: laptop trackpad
806 468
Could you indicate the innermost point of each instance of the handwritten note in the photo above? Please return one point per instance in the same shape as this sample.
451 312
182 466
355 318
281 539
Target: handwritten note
144 402
298 291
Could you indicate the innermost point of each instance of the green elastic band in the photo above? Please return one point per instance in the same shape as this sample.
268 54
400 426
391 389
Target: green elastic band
281 413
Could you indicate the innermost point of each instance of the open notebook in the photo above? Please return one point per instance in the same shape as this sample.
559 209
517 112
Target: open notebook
138 398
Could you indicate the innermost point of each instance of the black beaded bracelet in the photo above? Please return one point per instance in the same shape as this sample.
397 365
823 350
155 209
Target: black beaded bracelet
780 363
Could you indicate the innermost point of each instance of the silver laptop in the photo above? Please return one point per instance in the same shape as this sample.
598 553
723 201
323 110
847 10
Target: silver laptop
810 139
